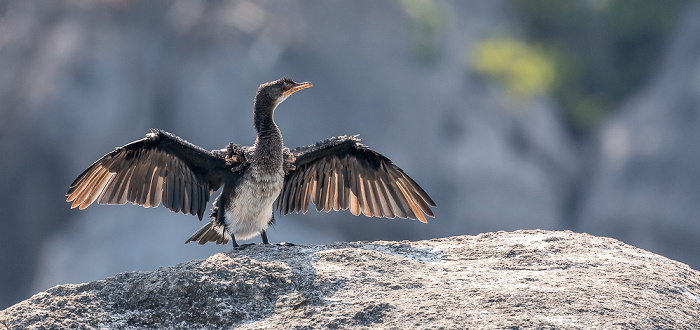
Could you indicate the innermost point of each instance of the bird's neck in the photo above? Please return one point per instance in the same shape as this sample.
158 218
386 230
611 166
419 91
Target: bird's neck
268 145
265 127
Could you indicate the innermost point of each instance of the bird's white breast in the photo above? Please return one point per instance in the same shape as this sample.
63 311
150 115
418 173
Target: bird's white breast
250 209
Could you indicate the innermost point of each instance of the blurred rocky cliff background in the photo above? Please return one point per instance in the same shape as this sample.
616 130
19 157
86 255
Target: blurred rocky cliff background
512 115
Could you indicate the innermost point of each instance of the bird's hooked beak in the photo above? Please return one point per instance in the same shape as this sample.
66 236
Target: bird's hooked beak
295 88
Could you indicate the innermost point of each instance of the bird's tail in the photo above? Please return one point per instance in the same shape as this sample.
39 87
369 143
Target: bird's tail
211 232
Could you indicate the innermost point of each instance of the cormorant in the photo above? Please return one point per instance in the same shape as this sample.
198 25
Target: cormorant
335 174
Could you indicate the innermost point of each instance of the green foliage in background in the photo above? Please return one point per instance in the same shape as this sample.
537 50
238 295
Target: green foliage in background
523 69
603 50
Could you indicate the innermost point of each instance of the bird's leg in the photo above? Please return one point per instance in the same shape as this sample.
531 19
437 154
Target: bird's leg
235 244
239 247
233 241
263 235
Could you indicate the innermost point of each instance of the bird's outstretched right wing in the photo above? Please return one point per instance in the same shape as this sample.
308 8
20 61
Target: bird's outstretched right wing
158 168
341 173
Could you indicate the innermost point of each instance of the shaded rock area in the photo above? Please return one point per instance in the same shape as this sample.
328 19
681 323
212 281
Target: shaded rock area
516 279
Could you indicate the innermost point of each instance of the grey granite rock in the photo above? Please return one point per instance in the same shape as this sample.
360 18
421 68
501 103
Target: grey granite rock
516 279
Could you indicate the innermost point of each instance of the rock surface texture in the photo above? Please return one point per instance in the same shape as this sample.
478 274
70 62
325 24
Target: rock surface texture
507 279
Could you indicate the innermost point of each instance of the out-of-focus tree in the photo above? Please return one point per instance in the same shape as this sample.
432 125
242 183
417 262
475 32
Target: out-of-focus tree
604 49
525 70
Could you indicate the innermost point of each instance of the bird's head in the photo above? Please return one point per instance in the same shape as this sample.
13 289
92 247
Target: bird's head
273 93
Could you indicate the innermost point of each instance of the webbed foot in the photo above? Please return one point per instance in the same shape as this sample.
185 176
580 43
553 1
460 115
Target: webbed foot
242 246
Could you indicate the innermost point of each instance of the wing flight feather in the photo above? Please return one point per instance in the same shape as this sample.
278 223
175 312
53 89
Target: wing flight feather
160 168
340 173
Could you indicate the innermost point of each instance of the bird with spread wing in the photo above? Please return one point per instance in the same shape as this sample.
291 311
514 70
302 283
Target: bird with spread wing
339 173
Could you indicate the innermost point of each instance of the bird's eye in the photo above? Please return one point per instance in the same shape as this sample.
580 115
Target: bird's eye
284 87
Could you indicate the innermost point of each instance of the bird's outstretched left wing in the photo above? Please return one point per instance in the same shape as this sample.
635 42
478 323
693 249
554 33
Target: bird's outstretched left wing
341 173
